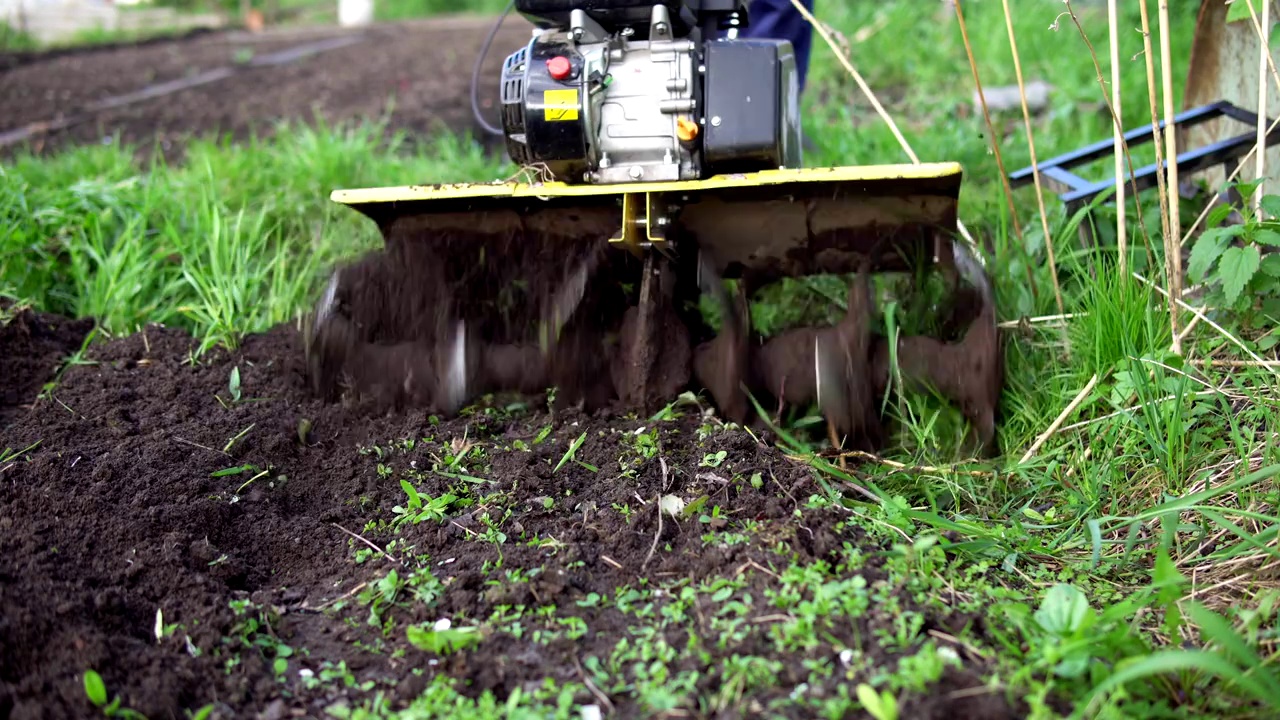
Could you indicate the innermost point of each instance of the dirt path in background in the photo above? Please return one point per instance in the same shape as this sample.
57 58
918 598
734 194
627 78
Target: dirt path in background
423 67
152 490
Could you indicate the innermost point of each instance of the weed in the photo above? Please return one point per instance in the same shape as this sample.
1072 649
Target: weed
96 690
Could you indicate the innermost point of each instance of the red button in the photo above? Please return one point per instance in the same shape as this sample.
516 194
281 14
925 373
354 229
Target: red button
558 67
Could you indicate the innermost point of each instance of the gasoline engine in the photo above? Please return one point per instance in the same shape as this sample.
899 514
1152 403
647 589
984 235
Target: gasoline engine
624 91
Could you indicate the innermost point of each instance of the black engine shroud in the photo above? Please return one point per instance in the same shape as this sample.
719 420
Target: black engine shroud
744 92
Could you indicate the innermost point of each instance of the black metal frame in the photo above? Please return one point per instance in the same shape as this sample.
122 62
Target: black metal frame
1076 192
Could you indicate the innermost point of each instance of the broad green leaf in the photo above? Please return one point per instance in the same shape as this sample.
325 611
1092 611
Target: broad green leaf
95 688
1237 267
1122 388
1072 666
880 707
1271 205
415 500
1246 189
1271 265
1239 10
1267 237
1205 252
1217 215
1064 611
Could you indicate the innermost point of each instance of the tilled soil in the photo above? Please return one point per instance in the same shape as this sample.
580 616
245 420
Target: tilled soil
278 538
421 69
31 349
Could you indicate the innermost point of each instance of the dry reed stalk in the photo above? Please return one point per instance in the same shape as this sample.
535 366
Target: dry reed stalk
1121 146
1241 363
928 469
1031 146
1172 249
1122 244
1041 320
1161 189
1264 54
995 144
821 29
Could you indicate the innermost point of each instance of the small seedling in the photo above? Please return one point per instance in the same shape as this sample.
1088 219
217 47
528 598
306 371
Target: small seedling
238 436
713 459
442 638
881 706
96 690
10 454
572 451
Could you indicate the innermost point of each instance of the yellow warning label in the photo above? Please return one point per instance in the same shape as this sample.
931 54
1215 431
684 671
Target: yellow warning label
560 105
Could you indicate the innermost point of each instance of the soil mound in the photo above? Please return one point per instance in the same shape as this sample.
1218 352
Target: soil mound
32 346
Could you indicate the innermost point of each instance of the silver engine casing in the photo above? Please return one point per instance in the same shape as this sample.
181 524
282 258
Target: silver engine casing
631 124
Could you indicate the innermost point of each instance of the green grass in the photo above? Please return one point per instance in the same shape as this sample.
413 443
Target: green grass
233 240
1152 503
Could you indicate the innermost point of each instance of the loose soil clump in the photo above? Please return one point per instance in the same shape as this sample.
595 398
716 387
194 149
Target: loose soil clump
293 555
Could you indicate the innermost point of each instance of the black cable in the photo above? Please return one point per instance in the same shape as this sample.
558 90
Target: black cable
475 72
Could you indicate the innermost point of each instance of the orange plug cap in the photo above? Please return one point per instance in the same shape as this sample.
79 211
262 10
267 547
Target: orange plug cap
686 129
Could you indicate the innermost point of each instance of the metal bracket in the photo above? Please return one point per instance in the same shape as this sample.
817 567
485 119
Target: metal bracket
652 225
1075 192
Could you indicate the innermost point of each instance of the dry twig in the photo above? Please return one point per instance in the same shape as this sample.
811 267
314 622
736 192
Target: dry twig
1062 417
1035 174
1162 190
1173 253
1121 148
366 541
995 143
1264 56
1114 28
1221 330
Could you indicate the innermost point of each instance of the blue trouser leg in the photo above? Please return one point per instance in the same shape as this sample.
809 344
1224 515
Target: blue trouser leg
779 20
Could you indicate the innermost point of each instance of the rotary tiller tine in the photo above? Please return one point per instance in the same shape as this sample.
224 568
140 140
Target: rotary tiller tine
565 301
455 379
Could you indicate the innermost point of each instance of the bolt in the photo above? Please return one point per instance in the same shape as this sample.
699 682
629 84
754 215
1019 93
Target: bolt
636 172
715 121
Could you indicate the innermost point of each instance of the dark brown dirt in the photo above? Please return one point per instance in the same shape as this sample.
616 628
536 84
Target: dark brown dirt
61 84
32 346
424 68
122 511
